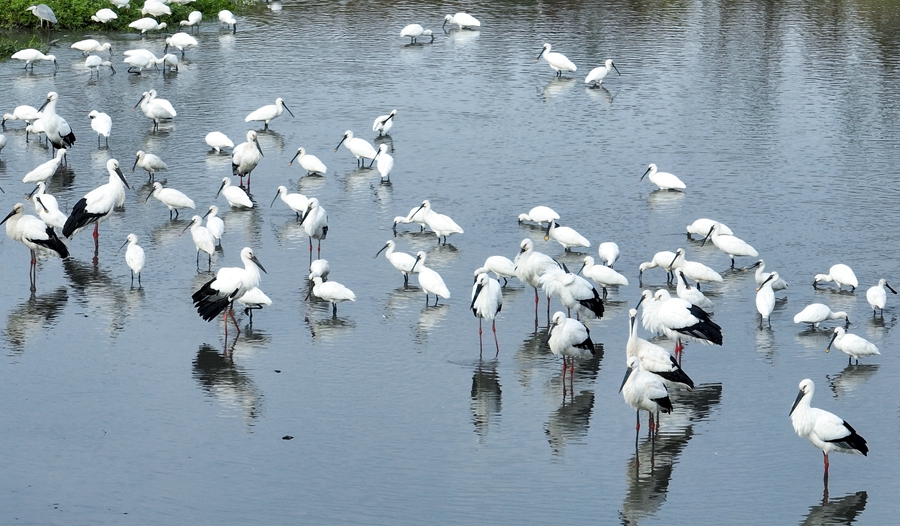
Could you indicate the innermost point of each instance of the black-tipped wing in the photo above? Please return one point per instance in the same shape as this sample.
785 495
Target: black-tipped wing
209 301
852 441
79 218
704 329
52 243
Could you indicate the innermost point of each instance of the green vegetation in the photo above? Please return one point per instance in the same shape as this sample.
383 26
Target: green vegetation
76 14
8 46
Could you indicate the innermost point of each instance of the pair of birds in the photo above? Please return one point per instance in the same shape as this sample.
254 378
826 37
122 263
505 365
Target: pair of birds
561 63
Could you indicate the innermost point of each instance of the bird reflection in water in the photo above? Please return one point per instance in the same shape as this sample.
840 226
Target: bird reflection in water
586 372
650 470
557 86
38 313
328 328
570 422
843 510
430 317
601 94
221 379
850 378
486 397
97 290
533 356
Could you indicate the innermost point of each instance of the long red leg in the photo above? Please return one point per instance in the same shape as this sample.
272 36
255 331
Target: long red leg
480 344
96 230
494 328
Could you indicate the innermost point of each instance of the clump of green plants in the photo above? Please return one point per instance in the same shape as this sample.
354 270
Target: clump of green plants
8 46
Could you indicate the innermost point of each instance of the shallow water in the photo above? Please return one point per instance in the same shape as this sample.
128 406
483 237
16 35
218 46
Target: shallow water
780 119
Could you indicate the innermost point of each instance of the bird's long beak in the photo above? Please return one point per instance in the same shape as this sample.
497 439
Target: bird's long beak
166 49
258 147
684 280
133 166
708 234
754 265
277 193
547 234
135 106
123 246
38 199
305 214
828 349
391 116
36 189
294 157
188 226
639 302
340 143
442 25
627 374
377 154
475 296
220 189
764 282
149 195
615 68
8 216
45 103
797 401
206 214
122 177
379 252
258 264
673 261
550 331
645 173
582 268
288 109
539 55
890 287
410 270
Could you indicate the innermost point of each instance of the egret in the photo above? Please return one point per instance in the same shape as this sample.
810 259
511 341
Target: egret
693 269
385 162
55 127
569 339
229 284
430 281
529 267
104 15
227 17
149 162
44 13
170 197
134 257
487 300
358 147
462 20
245 157
565 236
194 19
33 233
500 266
602 275
664 180
333 292
91 46
315 224
97 204
296 202
442 225
21 113
609 253
320 268
308 162
557 61
253 299
236 197
596 76
876 296
539 215
400 260
180 41
841 275
45 170
765 298
413 31
654 359
269 112
852 345
816 313
218 141
214 223
384 123
415 215
731 245
679 318
140 59
154 109
30 56
203 240
701 227
825 430
155 8
147 24
664 259
47 207
575 292
761 276
644 390
93 62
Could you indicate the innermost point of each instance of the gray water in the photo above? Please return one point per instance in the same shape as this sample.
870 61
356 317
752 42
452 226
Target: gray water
120 405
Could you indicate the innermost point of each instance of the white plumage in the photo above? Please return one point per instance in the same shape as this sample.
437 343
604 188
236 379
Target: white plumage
360 148
761 276
430 281
852 345
385 162
194 18
315 224
102 124
487 300
644 390
654 359
540 215
56 128
841 275
824 430
268 113
296 202
214 223
147 24
731 245
30 56
569 339
664 180
462 20
877 297
172 198
229 284
442 225
691 294
308 162
384 123
97 204
557 61
45 171
765 298
694 270
596 76
203 240
218 141
22 113
816 313
320 268
609 253
227 17
91 46
47 207
236 197
701 227
149 162
134 257
180 41
565 236
400 260
333 292
104 15
500 266
602 275
246 156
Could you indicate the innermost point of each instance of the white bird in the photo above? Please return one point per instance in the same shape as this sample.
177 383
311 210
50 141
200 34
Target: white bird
104 15
170 197
44 13
168 60
47 207
121 3
385 162
91 46
384 123
97 204
664 180
575 292
245 157
180 41
194 19
852 345
229 284
694 270
596 76
430 281
22 113
731 245
296 202
602 275
841 275
500 266
93 62
487 300
442 225
663 259
557 61
33 233
3 142
414 31
140 59
825 430
56 128
308 162
36 127
691 294
155 8
218 141
877 297
333 292
649 318
678 318
253 299
415 215
529 267
701 227
462 20
227 17
358 147
149 162
654 359
609 253
400 260
155 109
320 268
214 223
816 313
147 24
644 390
236 197
134 257
539 215
45 170
315 224
569 339
30 56
765 298
565 236
761 276
203 239
268 112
